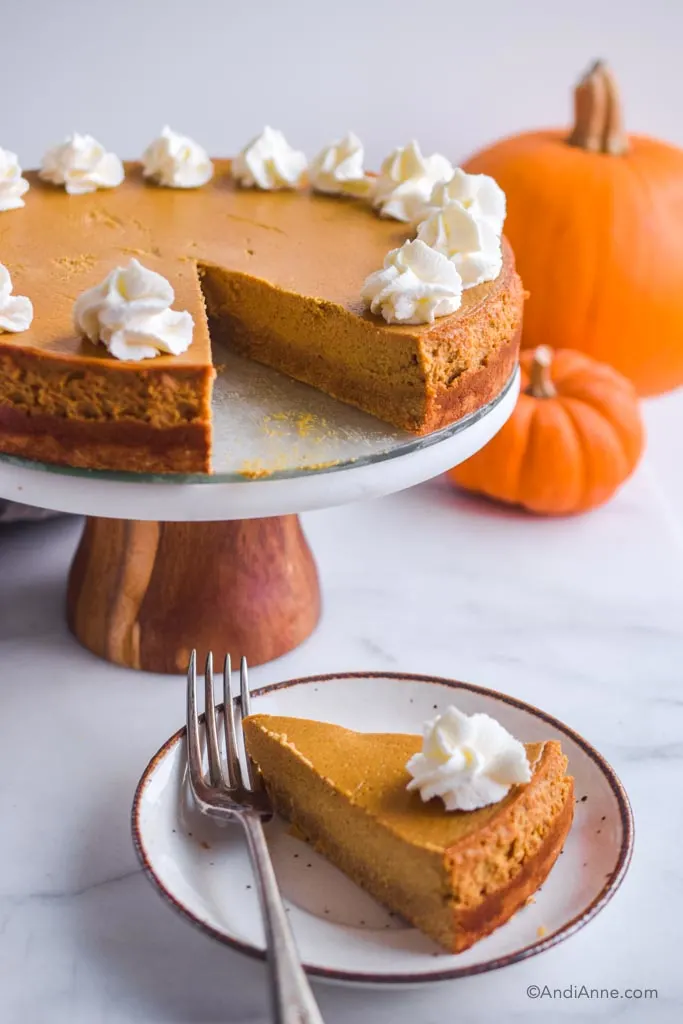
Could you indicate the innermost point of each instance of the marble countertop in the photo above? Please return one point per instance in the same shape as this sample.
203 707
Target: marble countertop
583 617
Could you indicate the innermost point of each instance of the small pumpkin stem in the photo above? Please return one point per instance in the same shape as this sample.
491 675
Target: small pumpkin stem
540 381
598 121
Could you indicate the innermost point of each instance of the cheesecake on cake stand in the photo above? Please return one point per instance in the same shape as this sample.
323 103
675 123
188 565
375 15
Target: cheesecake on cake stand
192 352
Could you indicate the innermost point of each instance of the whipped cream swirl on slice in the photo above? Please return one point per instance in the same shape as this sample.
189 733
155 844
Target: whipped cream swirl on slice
472 245
129 312
338 169
469 761
16 311
81 164
269 162
406 181
176 161
415 285
478 193
12 185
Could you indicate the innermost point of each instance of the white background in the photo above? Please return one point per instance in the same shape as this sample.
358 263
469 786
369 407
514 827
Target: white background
452 74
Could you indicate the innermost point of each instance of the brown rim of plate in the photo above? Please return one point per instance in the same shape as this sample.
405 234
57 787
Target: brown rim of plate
612 883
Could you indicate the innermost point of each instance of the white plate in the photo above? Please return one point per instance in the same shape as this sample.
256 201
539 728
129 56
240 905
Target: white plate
342 933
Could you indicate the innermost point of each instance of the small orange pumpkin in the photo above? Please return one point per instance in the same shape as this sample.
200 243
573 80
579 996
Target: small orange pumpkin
596 221
575 435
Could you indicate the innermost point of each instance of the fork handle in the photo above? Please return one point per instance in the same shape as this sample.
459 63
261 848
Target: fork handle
292 998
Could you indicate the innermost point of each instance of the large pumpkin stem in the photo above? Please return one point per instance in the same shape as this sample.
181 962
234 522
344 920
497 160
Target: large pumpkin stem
540 381
598 124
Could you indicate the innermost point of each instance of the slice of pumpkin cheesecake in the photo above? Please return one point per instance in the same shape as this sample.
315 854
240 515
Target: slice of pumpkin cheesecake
375 804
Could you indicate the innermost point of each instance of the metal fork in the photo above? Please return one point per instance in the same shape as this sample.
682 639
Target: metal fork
225 793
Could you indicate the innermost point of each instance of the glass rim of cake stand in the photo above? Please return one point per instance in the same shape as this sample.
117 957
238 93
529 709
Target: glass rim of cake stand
407 447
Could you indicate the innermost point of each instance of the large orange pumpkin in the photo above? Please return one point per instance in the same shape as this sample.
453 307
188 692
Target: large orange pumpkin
596 221
575 435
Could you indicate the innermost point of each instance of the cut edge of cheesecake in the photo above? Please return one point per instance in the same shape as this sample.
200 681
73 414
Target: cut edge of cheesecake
166 426
418 378
457 876
95 412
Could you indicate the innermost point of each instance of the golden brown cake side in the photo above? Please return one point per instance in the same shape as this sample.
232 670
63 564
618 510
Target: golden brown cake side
418 378
467 361
96 415
493 873
456 876
320 343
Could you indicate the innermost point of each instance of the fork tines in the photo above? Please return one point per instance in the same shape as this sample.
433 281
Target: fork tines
229 775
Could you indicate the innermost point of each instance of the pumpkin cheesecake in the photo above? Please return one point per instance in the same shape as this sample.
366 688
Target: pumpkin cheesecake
277 275
454 874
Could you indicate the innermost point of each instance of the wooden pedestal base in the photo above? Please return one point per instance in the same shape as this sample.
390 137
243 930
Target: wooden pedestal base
144 594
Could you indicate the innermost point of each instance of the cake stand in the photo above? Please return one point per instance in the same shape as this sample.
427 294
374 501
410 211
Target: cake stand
219 562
